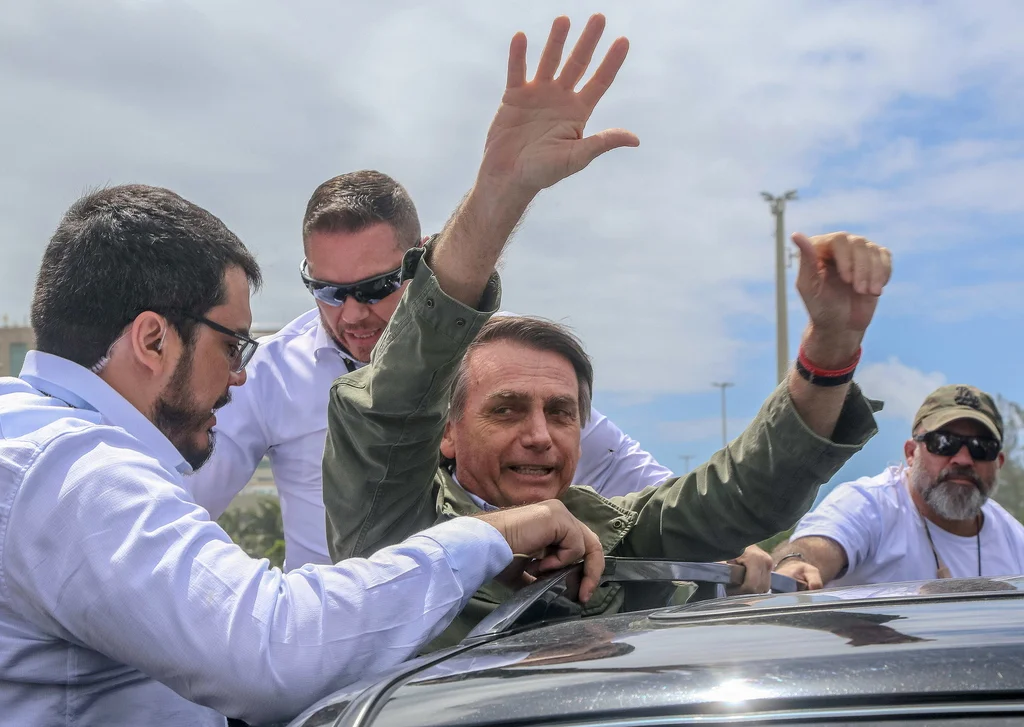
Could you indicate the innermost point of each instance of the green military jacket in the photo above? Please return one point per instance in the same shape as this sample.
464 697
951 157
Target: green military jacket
382 482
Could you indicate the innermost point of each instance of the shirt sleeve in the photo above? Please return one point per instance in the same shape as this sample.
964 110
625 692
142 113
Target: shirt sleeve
386 420
849 516
241 440
104 549
758 485
612 462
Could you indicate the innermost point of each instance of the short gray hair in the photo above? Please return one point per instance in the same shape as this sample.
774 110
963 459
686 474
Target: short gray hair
538 334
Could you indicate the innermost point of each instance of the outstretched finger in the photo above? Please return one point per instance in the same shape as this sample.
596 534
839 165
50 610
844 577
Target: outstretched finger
551 57
582 53
516 61
605 74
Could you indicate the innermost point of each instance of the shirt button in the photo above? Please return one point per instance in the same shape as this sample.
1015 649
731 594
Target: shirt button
430 302
460 321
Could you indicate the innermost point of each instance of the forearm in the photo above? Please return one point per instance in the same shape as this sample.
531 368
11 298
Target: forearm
760 484
469 247
225 631
823 553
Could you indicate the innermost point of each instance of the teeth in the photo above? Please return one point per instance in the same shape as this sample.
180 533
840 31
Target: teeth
527 470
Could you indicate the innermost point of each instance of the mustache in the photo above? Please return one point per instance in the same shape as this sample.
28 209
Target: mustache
223 401
961 473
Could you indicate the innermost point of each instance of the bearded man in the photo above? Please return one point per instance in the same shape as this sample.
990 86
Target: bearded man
929 519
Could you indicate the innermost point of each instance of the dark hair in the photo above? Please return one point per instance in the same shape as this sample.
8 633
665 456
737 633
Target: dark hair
538 334
354 201
123 250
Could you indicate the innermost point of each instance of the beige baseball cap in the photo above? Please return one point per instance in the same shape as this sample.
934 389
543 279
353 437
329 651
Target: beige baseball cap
957 401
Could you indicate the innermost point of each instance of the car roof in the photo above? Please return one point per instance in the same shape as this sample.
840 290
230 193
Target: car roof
927 640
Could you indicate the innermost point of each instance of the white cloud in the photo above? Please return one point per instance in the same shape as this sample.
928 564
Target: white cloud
652 254
902 388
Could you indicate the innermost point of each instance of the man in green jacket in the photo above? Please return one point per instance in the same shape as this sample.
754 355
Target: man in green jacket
520 395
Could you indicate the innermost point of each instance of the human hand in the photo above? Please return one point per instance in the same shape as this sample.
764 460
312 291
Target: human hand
536 138
840 279
553 538
803 572
758 576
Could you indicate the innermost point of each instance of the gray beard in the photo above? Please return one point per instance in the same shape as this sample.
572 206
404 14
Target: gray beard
955 502
950 500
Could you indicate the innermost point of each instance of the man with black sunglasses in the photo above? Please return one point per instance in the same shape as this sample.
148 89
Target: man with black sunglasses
930 519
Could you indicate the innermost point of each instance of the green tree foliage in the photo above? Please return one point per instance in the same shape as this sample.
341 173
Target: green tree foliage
256 526
1011 478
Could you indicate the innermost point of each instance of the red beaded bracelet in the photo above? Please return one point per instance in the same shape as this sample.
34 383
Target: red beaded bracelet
826 373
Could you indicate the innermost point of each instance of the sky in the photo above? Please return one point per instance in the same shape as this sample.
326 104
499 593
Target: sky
898 121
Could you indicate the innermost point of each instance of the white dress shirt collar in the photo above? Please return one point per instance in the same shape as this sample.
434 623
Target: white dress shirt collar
82 389
322 343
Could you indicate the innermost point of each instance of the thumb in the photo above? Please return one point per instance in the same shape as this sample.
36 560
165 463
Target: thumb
808 257
593 146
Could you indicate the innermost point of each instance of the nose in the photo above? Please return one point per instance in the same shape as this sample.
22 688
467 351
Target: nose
237 378
535 433
962 458
352 311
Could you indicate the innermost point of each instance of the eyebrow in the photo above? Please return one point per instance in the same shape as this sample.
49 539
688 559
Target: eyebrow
520 397
507 395
568 401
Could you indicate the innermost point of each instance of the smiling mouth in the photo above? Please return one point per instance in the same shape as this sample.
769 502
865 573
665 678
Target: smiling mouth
363 335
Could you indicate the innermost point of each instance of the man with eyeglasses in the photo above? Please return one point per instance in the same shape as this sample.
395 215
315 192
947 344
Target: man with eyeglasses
929 519
355 231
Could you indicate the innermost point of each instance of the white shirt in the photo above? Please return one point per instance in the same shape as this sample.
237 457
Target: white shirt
876 522
281 412
120 600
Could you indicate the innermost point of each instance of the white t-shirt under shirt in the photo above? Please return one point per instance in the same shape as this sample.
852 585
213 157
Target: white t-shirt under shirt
876 522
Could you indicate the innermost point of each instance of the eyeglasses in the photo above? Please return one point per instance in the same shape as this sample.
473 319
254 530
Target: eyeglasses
368 291
946 444
243 349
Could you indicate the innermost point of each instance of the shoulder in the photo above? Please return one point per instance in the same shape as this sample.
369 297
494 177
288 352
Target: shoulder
857 506
883 488
74 467
1000 514
290 349
298 333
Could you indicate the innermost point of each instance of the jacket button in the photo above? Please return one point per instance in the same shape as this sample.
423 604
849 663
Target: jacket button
430 302
618 524
460 321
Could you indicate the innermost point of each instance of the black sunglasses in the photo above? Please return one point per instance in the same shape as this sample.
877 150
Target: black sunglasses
243 349
368 291
946 444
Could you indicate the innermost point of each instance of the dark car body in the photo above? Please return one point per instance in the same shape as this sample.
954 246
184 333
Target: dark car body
936 652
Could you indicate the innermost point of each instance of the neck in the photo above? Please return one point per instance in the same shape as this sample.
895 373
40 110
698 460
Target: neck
964 528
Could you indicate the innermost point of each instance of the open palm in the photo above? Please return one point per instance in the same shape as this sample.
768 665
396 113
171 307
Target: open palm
536 138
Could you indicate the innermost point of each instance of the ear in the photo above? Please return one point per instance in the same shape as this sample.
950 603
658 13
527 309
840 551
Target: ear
448 441
1000 460
149 339
909 450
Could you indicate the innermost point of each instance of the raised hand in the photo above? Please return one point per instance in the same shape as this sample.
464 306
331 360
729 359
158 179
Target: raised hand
536 138
840 279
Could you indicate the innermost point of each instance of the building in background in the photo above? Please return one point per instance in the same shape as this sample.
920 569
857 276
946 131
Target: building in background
15 342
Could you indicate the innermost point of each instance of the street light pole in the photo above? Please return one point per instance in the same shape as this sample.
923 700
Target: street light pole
686 461
778 206
723 386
